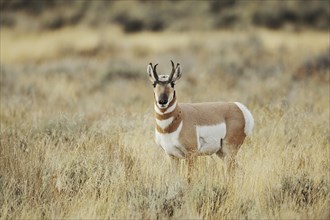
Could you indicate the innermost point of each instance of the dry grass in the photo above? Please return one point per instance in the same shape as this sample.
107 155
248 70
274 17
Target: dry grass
77 126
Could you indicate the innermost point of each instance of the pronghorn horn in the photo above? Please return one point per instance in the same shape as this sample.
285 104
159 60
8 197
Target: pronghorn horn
155 72
172 73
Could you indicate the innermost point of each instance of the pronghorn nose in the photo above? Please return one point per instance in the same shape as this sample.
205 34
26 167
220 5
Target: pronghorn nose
162 101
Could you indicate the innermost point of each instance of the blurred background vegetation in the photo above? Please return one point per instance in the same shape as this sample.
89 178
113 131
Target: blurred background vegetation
135 16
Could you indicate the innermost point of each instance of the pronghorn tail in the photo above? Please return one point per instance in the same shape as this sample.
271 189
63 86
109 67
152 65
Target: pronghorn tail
249 121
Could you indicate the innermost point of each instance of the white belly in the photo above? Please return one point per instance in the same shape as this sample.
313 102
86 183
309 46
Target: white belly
209 138
170 142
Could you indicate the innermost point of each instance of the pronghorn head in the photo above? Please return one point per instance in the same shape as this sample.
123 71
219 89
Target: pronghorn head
164 84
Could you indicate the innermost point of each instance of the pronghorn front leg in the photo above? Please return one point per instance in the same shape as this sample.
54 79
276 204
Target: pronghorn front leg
175 163
180 170
190 166
176 167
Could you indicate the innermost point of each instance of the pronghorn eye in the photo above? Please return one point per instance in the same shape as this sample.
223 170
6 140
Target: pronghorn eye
154 84
172 84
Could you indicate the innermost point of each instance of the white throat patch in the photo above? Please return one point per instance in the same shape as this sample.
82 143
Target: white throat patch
164 123
170 109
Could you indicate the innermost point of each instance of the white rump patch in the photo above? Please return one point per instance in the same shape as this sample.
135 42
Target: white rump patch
209 138
249 121
170 142
164 123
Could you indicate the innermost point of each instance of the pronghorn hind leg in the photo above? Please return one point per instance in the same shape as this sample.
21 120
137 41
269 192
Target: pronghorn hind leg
220 154
230 163
228 153
232 166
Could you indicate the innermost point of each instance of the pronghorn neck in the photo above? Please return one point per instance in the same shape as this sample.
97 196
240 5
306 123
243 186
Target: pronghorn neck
168 120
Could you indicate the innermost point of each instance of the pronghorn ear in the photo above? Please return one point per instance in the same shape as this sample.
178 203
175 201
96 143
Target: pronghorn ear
152 75
177 74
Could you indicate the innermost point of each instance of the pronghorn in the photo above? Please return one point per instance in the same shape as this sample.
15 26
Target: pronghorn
185 130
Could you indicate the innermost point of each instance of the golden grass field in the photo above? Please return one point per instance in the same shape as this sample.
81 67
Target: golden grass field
77 125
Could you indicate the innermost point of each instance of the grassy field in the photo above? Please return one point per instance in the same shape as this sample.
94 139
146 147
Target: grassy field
77 125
